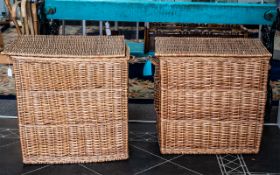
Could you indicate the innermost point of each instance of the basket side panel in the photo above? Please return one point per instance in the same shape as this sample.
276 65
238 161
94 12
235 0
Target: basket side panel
59 75
71 107
214 73
72 110
213 105
205 137
74 143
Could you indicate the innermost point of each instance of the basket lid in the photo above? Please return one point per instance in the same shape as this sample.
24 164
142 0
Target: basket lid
67 46
175 46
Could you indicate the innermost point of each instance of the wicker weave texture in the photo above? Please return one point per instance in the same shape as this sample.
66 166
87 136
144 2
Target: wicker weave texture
72 108
209 137
212 105
67 46
97 142
208 104
220 47
213 73
44 74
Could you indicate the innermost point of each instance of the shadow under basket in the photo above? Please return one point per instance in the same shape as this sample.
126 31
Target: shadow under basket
72 98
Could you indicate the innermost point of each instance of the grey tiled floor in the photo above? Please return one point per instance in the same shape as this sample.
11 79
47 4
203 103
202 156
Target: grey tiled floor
145 157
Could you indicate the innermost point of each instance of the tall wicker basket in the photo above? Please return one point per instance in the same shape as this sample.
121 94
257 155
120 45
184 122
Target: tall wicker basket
210 94
72 98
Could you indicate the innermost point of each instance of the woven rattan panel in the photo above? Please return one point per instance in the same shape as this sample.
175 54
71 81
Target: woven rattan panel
72 98
67 46
210 94
172 46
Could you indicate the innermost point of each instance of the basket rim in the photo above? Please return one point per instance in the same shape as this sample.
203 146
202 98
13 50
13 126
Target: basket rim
16 48
162 50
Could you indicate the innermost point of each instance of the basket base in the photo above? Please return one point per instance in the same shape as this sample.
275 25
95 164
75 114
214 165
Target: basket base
74 159
209 151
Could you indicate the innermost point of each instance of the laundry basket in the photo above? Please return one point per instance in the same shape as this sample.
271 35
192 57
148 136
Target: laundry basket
210 94
71 97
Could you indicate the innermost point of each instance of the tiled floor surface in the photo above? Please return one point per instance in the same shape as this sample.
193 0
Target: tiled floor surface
145 158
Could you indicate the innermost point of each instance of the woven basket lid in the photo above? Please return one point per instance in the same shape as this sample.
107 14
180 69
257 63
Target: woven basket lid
244 47
67 46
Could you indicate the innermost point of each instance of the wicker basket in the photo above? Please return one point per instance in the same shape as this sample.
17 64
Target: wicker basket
193 30
210 94
72 98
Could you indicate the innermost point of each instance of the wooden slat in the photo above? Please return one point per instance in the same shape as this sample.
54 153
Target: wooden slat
4 59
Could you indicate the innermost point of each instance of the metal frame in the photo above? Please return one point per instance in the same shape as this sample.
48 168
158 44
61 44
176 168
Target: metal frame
161 11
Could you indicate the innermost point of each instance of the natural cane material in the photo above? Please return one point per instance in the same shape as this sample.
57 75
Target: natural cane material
72 98
210 94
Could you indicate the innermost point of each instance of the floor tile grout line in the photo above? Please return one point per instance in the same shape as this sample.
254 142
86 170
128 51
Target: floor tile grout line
225 166
159 164
233 169
89 169
151 135
170 160
148 152
241 164
4 146
218 163
193 171
154 166
38 169
155 154
179 165
222 167
142 136
229 172
13 133
244 163
231 161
